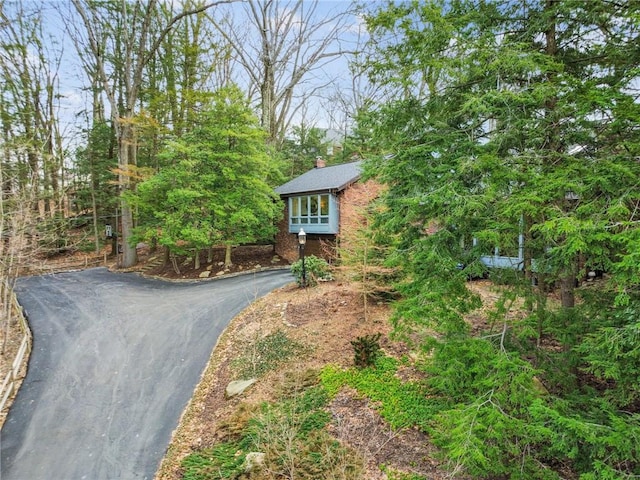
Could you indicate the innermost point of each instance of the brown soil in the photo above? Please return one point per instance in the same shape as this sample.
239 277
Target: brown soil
244 258
325 319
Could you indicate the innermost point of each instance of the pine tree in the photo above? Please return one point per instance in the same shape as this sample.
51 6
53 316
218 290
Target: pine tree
215 189
509 119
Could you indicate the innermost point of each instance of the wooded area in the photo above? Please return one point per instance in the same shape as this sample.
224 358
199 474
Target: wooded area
491 125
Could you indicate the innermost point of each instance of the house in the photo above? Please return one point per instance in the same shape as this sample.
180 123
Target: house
334 140
316 201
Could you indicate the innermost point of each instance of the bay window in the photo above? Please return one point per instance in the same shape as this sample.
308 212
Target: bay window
316 213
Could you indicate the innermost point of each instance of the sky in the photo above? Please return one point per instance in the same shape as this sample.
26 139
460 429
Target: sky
75 101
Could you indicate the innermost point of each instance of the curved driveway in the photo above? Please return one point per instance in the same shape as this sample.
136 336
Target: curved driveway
116 358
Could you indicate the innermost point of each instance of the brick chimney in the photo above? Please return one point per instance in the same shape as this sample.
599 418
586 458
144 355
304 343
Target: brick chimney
320 163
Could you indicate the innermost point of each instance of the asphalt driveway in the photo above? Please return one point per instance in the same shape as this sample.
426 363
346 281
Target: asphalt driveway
115 360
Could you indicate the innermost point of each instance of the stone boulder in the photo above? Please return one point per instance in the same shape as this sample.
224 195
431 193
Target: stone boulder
237 387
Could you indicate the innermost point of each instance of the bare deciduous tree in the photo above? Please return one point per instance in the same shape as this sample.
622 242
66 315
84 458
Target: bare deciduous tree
137 30
282 46
29 95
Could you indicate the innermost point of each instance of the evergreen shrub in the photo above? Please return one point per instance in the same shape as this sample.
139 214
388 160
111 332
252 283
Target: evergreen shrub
316 269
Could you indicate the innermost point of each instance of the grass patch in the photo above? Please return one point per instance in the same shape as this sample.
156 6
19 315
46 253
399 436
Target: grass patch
395 475
220 461
290 433
266 354
401 404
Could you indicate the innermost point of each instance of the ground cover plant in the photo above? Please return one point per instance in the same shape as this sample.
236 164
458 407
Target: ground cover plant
266 354
290 436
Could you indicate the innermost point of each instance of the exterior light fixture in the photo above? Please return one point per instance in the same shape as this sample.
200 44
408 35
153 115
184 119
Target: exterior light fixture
302 240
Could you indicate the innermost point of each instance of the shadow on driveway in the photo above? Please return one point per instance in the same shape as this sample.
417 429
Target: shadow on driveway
115 360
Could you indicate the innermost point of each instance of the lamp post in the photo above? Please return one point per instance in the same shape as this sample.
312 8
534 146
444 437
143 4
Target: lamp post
302 239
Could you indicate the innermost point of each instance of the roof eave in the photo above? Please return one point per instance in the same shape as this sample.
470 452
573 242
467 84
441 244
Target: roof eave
320 190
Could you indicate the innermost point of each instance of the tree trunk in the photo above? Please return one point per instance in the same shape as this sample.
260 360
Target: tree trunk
568 287
129 254
94 207
227 256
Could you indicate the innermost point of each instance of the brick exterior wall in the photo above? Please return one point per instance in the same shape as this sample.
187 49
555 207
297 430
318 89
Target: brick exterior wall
287 246
351 202
352 216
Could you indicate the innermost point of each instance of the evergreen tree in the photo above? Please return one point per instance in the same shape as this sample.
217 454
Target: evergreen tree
95 188
517 118
305 145
531 118
215 189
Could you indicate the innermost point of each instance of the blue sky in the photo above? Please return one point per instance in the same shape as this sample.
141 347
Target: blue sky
75 99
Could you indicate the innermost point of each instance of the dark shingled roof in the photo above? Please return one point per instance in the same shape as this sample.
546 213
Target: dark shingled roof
333 178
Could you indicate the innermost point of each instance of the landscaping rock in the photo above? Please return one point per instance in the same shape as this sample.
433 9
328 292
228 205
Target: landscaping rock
253 461
238 386
205 274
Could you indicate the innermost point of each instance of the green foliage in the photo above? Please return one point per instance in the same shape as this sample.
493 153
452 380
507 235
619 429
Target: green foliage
95 162
366 350
267 354
486 427
402 404
86 245
218 462
433 289
305 145
292 435
612 354
507 134
503 121
601 442
214 188
394 475
315 269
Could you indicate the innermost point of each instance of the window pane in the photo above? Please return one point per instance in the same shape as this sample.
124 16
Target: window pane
314 204
304 220
324 204
324 220
294 220
314 219
304 206
295 207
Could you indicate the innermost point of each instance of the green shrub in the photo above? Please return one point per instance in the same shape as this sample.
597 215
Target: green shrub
292 435
487 427
266 354
366 349
316 269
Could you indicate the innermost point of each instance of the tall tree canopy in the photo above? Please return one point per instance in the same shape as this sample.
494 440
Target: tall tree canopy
215 190
530 116
122 39
516 118
281 46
